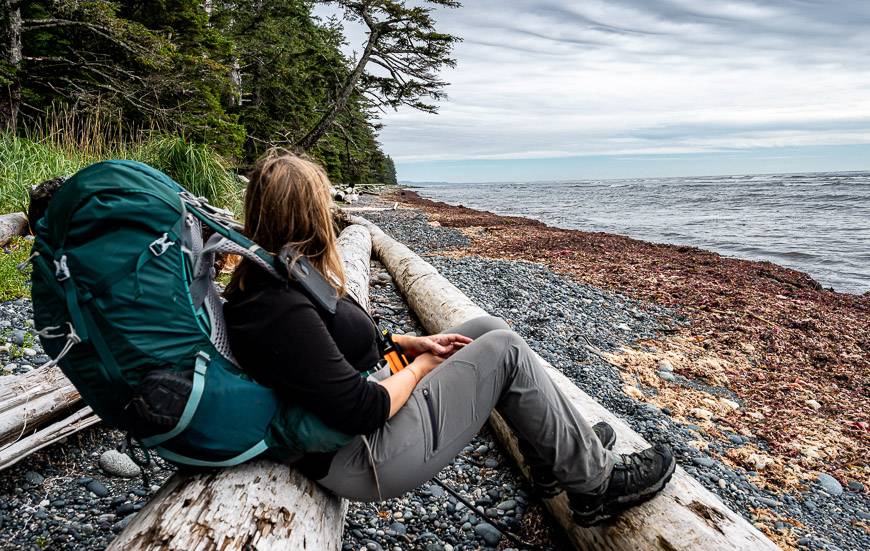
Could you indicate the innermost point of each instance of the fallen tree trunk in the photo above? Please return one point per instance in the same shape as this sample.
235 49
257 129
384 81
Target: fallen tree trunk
259 505
11 225
19 449
355 246
684 516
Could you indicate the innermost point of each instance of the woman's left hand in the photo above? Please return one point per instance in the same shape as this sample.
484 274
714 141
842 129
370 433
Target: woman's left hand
443 345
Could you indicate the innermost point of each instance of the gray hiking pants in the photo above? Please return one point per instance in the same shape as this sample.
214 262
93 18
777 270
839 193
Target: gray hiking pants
449 406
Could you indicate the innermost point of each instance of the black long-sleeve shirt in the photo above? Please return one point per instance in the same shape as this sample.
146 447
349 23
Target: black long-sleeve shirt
310 357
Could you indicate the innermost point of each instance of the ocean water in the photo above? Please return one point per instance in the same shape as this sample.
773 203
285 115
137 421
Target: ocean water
818 223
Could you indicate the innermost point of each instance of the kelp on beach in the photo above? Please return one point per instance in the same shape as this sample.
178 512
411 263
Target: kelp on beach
796 355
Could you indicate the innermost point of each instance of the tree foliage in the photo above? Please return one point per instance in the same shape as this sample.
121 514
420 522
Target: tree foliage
240 75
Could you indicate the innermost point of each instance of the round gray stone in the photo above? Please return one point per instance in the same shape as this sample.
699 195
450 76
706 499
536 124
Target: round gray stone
96 487
116 463
704 461
830 484
488 532
33 477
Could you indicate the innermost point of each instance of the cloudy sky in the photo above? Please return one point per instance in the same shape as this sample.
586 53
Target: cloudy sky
630 88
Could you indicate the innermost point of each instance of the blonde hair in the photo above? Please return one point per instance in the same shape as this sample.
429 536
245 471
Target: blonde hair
288 201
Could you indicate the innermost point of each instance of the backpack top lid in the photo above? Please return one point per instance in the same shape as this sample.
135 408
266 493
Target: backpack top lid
131 176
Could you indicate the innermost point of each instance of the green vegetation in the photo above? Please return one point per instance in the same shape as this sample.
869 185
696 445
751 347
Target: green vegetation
14 284
25 163
238 75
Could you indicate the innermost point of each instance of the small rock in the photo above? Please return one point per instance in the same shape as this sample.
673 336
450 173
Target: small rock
116 463
730 403
855 486
121 524
399 528
736 439
665 365
490 463
814 404
96 487
722 483
125 509
759 461
488 532
666 376
830 484
633 391
769 502
507 505
756 415
34 478
29 352
704 461
17 337
701 413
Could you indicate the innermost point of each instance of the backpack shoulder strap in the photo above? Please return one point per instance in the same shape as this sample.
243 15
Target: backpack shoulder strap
287 264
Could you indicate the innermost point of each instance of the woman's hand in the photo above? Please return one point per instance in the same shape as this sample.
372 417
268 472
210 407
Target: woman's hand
442 345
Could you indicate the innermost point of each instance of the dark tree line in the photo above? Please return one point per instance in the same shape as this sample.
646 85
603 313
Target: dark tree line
240 75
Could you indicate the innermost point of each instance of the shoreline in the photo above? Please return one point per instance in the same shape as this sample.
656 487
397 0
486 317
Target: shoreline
753 313
767 357
791 239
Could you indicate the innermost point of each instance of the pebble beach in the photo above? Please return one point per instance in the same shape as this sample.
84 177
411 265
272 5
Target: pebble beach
662 337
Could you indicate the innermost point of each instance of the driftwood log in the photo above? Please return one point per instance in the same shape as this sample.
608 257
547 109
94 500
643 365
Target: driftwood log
11 225
685 516
17 450
260 505
30 400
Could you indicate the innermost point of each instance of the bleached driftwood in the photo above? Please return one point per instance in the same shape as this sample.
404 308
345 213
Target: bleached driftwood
355 245
17 450
260 505
11 225
684 516
18 389
33 399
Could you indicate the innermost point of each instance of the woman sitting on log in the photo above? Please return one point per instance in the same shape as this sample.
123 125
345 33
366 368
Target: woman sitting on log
405 428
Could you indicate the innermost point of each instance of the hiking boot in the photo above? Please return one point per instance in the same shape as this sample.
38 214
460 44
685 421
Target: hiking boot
636 477
545 485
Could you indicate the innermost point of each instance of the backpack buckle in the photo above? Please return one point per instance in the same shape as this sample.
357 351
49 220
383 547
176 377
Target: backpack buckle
160 245
190 198
61 271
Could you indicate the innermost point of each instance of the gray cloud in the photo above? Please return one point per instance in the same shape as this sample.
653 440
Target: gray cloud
560 78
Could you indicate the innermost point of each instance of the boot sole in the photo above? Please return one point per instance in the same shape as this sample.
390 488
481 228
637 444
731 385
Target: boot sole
608 510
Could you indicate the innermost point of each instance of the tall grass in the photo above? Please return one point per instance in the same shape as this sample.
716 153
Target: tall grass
196 167
61 148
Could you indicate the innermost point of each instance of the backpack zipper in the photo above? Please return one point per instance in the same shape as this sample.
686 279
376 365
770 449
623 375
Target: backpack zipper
432 418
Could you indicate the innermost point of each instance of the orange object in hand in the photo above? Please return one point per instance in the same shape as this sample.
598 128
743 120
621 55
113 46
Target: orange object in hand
392 353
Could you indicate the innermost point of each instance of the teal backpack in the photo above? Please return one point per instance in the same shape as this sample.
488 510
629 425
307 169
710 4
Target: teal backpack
124 301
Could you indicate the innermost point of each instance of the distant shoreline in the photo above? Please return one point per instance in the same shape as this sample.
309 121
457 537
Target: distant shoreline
811 223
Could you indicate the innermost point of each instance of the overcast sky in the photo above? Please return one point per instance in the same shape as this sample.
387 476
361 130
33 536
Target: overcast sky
630 88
